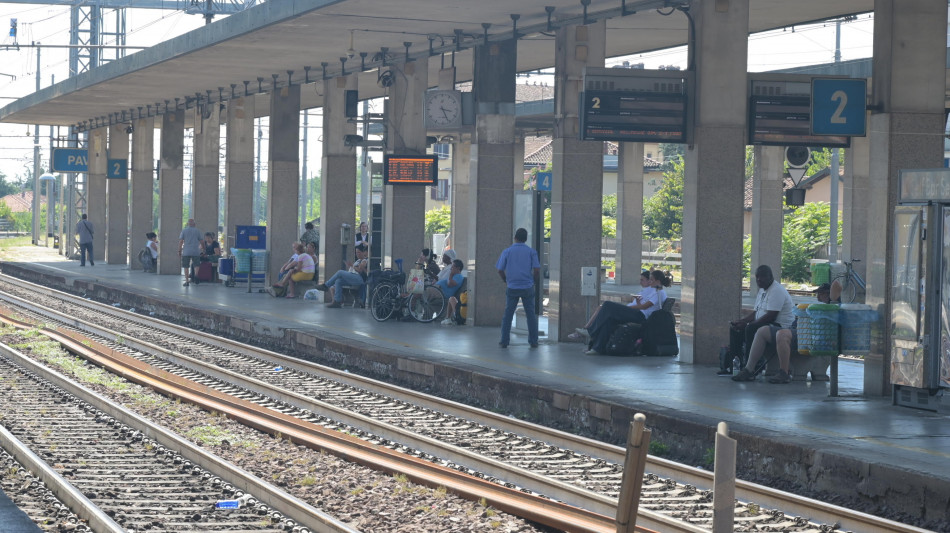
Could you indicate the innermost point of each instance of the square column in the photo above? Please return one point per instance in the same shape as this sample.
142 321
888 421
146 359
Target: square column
204 186
491 189
337 194
462 223
170 187
767 210
404 207
577 192
239 168
96 204
117 194
283 176
143 141
629 213
907 132
854 205
713 188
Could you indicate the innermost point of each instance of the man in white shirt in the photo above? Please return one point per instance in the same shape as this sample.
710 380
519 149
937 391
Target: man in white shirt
773 305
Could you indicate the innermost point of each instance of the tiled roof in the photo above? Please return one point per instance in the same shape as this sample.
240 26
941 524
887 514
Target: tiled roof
19 202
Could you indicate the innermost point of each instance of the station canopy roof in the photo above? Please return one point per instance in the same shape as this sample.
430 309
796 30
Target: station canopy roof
277 36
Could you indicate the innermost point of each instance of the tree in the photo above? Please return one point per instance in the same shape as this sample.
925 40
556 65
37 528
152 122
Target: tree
438 220
663 213
6 187
671 154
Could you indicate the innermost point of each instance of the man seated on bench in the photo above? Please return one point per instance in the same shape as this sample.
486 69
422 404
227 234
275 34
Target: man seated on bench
450 287
773 305
354 276
784 339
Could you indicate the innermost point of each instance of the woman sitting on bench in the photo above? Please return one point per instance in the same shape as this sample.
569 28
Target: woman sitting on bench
302 269
612 314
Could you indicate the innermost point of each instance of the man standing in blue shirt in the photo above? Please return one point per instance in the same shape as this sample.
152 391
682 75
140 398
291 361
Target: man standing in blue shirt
519 267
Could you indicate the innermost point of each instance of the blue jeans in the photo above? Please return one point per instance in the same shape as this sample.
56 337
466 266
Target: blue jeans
341 278
84 249
511 302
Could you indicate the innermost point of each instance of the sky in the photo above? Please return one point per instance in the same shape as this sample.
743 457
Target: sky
49 24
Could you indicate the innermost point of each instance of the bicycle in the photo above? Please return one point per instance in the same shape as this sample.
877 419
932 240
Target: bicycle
388 298
849 280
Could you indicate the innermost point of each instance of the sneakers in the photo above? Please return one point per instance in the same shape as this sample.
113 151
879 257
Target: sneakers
592 352
335 305
448 322
781 377
323 287
743 375
576 337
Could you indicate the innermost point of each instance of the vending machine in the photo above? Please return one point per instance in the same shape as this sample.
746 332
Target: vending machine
920 291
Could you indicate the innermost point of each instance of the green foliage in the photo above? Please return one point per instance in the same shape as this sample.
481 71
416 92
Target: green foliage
438 220
663 212
547 224
658 449
804 232
671 154
608 227
746 256
610 205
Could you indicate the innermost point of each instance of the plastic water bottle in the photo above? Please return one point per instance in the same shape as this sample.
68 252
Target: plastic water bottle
736 363
227 504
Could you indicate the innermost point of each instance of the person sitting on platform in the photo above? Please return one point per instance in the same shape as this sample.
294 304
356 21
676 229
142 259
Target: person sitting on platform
289 265
312 251
447 257
583 334
773 306
151 255
426 261
613 314
784 339
450 288
210 249
310 235
301 270
354 276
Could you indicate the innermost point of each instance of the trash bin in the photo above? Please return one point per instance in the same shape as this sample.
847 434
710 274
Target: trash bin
820 273
803 321
823 325
259 260
856 322
242 260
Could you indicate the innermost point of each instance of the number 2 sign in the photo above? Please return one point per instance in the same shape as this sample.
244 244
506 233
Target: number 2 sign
838 106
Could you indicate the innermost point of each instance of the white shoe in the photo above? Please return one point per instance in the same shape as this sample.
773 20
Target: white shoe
448 322
582 332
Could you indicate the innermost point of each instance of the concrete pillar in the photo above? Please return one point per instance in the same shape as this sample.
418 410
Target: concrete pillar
462 223
715 170
629 213
404 206
577 186
142 164
767 213
117 203
96 191
239 168
906 131
492 184
854 206
283 176
517 169
338 191
204 185
170 191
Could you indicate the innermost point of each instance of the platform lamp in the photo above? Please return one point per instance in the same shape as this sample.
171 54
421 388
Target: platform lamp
50 180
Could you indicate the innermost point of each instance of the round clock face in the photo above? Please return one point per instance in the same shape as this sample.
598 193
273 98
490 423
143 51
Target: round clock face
443 108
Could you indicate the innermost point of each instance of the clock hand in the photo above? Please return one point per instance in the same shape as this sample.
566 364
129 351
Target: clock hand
444 113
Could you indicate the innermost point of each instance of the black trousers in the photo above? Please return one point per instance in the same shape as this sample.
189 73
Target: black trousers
740 341
610 316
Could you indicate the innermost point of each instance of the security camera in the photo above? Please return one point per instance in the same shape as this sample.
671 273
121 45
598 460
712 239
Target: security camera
129 129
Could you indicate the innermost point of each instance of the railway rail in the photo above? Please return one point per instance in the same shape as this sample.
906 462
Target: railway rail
578 471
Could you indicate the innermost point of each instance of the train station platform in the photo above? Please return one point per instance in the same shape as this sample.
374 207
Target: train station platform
858 451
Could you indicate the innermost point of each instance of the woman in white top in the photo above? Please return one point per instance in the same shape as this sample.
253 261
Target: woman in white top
613 314
302 269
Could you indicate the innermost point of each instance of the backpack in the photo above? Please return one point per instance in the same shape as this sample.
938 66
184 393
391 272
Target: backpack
659 334
623 339
145 259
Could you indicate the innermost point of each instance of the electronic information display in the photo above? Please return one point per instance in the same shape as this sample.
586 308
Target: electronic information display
410 170
620 104
633 116
780 114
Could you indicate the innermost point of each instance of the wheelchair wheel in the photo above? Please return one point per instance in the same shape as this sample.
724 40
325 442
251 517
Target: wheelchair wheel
383 302
427 306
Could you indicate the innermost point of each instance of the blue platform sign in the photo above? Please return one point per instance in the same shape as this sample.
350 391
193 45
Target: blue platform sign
118 169
838 106
77 160
70 159
544 181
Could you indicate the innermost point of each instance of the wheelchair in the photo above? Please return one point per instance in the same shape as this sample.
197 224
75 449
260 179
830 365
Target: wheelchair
388 298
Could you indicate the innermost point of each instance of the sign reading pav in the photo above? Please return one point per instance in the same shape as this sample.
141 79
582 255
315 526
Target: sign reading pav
77 160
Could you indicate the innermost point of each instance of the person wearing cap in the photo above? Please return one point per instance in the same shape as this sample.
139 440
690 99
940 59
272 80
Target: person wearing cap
448 256
784 339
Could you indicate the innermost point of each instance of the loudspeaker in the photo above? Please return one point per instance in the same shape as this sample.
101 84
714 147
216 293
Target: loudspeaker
351 104
795 197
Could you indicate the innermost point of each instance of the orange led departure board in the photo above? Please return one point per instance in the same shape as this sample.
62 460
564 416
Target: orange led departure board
410 170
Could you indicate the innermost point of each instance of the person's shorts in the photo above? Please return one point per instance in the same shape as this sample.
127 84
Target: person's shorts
188 261
773 330
302 276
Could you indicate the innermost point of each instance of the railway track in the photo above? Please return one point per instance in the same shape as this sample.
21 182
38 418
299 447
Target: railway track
572 469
